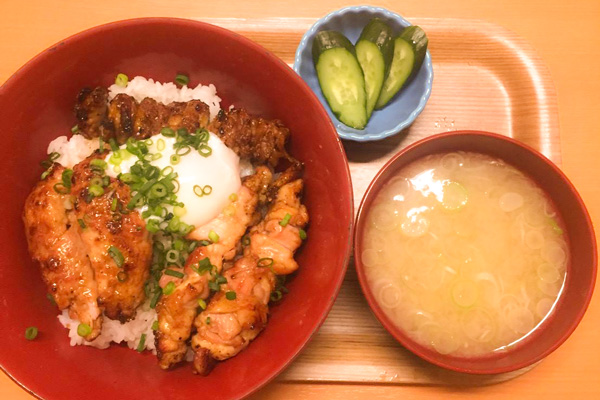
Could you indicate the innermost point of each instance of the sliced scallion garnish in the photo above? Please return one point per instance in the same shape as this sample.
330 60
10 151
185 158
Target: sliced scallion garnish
121 80
230 295
116 255
31 333
84 329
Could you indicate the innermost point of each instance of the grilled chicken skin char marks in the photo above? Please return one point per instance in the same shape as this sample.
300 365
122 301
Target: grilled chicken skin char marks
123 117
176 311
231 322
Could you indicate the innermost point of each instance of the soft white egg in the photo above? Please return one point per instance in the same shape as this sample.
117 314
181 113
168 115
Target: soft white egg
218 174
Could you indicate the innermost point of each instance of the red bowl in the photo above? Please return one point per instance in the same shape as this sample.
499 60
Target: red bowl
36 106
581 272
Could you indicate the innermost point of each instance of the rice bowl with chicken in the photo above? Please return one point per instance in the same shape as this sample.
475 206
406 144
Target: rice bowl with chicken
165 222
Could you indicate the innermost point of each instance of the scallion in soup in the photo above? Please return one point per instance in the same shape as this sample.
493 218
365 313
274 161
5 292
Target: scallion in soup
464 253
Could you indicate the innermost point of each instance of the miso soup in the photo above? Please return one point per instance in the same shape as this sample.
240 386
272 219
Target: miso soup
464 253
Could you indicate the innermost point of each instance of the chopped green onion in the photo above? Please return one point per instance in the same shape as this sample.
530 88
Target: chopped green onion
265 262
158 190
116 255
285 220
555 227
230 295
50 298
155 299
202 304
276 295
167 290
172 256
45 174
142 344
155 326
122 276
83 330
81 223
233 197
60 188
175 159
182 79
182 151
114 204
302 234
202 191
31 333
245 240
205 150
96 181
121 80
160 145
207 320
47 163
100 143
203 266
64 187
168 132
75 129
113 144
179 211
98 162
96 190
178 244
174 273
213 236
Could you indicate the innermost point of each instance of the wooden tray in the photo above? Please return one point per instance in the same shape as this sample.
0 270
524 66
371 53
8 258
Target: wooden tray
485 78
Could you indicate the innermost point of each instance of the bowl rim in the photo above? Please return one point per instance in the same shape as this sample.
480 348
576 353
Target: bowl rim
427 68
395 331
195 24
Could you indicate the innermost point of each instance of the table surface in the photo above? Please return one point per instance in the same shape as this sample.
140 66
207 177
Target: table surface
567 37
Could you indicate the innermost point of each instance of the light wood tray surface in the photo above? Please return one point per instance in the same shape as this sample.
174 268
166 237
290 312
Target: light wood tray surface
485 78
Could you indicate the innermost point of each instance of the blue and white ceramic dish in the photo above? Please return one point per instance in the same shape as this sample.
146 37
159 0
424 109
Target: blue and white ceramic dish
401 111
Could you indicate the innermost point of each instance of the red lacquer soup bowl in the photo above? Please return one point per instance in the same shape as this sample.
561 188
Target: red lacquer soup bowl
580 271
36 106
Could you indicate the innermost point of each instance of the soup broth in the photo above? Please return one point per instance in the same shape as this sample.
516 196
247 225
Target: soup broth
464 253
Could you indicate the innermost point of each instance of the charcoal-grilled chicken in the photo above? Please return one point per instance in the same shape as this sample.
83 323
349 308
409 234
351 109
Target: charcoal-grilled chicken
72 235
260 140
120 288
276 240
176 311
228 324
123 117
54 239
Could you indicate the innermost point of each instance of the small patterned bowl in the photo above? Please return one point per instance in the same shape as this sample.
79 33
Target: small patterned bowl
399 113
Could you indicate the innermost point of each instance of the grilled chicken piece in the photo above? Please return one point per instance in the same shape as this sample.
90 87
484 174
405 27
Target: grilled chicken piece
227 326
121 112
124 117
176 312
270 239
120 288
257 139
91 110
72 236
54 239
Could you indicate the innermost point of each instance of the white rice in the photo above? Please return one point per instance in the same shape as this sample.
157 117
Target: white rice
76 150
113 331
72 151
